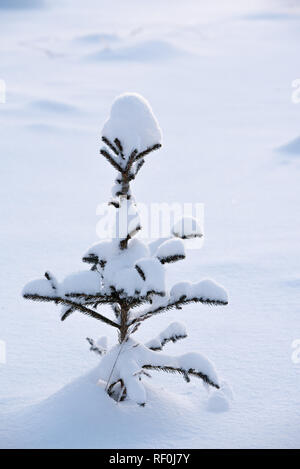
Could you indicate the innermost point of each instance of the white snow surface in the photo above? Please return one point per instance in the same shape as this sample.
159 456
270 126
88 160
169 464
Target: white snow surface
218 76
132 121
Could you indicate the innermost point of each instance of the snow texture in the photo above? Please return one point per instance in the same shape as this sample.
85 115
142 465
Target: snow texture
84 282
40 287
220 400
132 121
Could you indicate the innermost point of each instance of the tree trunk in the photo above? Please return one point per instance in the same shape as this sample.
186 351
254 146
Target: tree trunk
124 323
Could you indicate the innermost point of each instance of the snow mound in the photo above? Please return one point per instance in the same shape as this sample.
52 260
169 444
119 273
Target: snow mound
132 121
96 38
217 402
53 106
220 399
146 51
82 415
292 147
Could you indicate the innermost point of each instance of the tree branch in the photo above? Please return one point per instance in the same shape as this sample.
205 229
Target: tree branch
157 146
110 145
111 160
51 279
78 306
138 166
94 348
175 304
185 373
120 147
169 259
162 342
131 160
124 242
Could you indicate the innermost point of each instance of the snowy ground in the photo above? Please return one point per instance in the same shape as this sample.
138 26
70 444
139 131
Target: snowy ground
219 80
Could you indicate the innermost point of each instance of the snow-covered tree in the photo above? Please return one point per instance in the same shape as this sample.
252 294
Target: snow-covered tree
128 274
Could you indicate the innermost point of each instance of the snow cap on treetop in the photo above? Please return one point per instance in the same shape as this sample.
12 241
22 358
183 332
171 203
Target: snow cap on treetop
132 122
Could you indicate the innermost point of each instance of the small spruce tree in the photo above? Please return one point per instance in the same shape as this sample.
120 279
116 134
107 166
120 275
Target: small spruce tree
129 275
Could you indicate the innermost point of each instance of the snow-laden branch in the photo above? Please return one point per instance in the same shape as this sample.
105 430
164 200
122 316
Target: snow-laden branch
171 250
127 361
138 166
119 146
142 154
99 347
64 301
174 332
124 241
110 159
183 293
65 293
110 145
184 372
131 273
